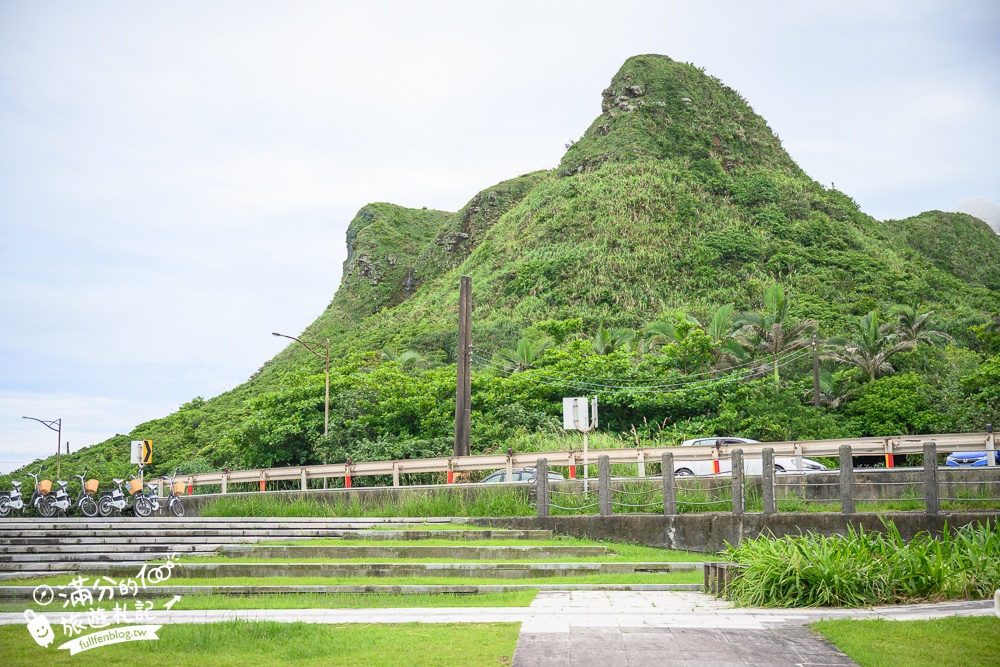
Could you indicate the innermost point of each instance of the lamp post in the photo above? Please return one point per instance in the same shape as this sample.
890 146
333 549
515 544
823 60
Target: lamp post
326 405
53 425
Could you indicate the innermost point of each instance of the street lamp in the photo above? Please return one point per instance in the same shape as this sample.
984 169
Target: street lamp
57 427
326 407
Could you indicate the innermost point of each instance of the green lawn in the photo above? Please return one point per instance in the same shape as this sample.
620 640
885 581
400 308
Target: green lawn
617 553
641 578
269 644
946 642
327 601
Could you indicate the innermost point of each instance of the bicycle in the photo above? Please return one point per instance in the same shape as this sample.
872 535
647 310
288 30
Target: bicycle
173 501
39 500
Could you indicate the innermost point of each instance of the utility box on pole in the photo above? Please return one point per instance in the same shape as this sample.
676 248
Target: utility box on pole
580 414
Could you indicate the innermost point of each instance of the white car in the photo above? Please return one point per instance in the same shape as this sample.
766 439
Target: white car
751 466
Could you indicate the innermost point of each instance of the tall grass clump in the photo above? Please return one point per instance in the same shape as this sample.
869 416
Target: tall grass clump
867 568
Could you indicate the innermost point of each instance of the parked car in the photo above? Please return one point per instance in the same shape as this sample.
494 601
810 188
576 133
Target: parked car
751 466
521 475
969 459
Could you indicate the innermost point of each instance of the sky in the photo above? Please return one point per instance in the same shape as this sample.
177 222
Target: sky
176 179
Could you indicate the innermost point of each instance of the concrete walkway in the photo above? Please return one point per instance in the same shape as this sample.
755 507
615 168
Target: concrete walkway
610 628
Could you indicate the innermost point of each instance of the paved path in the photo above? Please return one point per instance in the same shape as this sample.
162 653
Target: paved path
612 628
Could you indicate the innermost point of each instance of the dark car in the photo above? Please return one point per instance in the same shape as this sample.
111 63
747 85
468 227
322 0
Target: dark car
520 475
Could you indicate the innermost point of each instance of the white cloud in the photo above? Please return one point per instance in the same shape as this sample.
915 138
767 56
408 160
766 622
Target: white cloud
176 179
84 422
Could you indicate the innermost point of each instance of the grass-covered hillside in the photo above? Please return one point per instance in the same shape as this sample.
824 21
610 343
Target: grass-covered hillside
675 264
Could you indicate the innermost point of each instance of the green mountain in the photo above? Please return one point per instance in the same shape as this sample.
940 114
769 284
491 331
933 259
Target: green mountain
678 199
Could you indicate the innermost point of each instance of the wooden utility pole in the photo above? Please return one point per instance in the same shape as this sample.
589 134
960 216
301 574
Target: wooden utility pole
815 344
463 388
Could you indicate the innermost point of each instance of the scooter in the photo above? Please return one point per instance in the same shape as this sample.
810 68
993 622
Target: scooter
11 501
85 502
60 500
115 500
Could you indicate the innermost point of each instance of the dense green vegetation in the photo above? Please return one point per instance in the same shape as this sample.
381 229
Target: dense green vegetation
675 265
867 568
945 642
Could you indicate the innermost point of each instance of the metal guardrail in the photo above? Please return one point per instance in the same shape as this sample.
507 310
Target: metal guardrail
730 492
886 446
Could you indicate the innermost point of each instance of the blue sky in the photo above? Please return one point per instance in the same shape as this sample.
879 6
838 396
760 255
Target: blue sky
176 178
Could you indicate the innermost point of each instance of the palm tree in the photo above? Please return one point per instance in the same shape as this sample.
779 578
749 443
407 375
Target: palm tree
525 354
773 332
661 333
913 325
870 346
404 358
722 329
834 388
606 341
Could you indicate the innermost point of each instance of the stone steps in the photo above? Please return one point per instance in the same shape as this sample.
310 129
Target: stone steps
129 547
415 551
198 522
352 570
151 551
273 534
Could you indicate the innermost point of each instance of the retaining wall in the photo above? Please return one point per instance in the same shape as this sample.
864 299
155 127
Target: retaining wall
712 532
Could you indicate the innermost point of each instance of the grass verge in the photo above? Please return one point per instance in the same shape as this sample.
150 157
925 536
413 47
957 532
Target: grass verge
269 644
642 578
327 601
945 642
617 551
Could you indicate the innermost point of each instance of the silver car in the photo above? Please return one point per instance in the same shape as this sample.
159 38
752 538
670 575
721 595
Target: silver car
751 466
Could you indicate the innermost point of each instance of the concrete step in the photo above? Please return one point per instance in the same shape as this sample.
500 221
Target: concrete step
30 574
69 559
16 537
86 542
273 533
74 553
128 566
415 551
25 592
196 522
473 570
414 534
